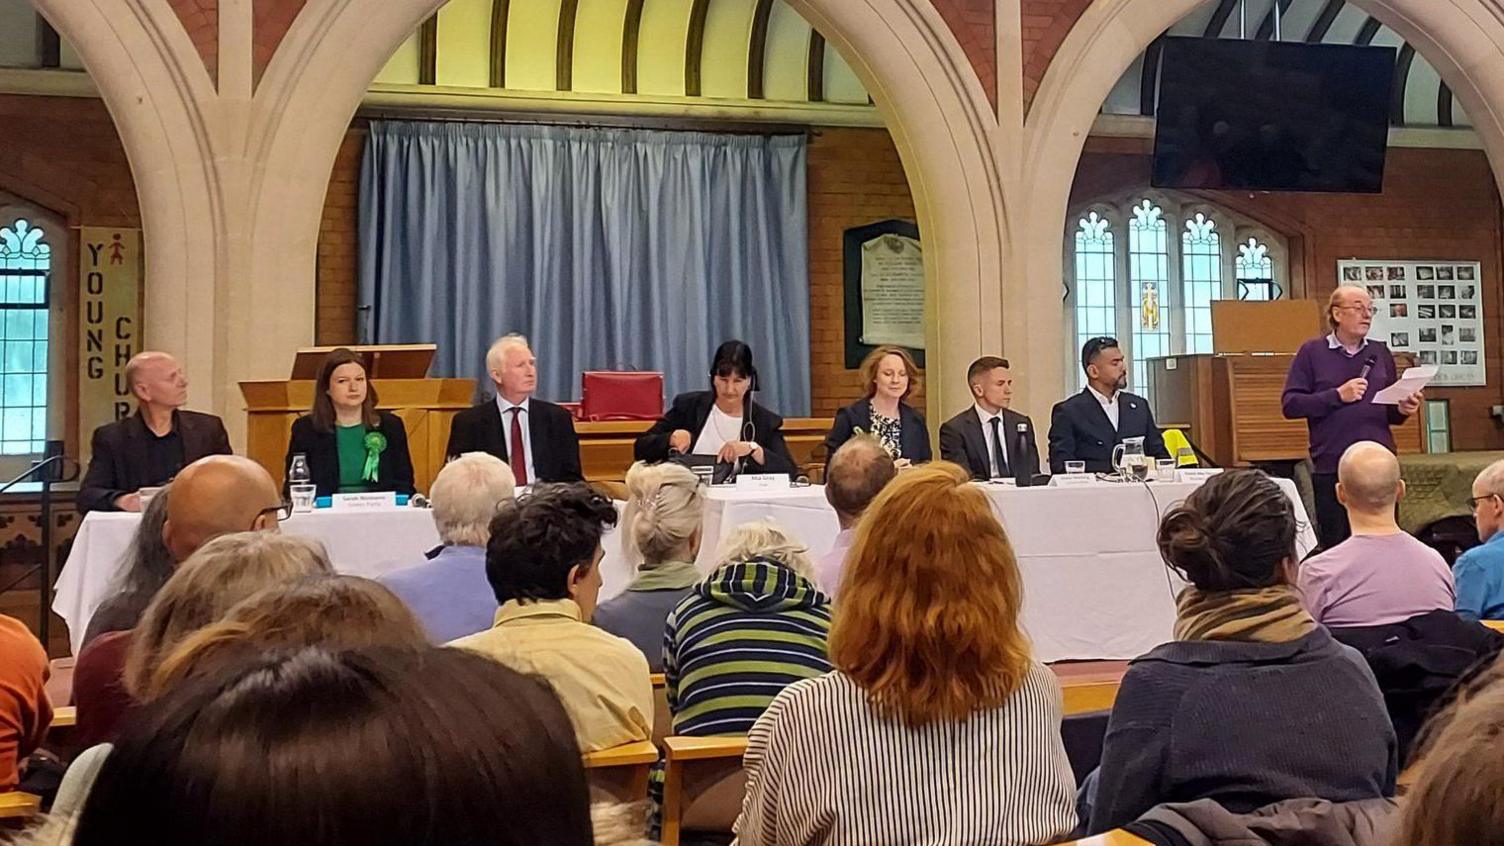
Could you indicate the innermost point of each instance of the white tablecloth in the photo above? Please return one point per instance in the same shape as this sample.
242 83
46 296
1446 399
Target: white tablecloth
1094 584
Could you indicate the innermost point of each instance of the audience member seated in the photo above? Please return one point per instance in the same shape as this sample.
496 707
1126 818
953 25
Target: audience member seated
984 437
889 375
319 748
1457 796
1088 426
449 591
722 424
215 496
1253 702
349 445
115 671
1381 574
337 613
543 561
25 710
147 566
148 448
854 477
755 625
937 726
535 438
661 529
1479 572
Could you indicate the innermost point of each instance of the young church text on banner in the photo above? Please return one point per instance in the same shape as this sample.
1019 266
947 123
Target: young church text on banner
109 325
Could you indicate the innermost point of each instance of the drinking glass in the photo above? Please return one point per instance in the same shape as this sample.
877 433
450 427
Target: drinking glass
147 495
1164 469
1075 466
302 497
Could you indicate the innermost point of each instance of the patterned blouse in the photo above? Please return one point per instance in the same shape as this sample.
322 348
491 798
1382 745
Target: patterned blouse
889 431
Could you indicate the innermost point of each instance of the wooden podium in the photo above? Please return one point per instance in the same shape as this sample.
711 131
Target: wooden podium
400 376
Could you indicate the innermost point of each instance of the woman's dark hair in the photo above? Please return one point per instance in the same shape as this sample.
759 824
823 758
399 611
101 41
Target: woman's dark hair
148 565
323 407
537 538
361 748
733 358
1232 533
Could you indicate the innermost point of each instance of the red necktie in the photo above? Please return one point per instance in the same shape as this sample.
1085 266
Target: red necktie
519 452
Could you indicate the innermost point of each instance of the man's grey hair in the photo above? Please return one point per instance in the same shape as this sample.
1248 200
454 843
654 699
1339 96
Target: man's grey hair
1491 479
498 352
857 473
464 497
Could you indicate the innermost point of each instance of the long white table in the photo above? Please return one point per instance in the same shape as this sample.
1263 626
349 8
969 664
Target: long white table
1094 584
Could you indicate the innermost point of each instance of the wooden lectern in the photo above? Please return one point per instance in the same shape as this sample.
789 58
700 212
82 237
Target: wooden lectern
1229 402
400 375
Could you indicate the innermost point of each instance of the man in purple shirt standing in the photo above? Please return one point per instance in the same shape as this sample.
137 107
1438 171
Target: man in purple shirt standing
1331 384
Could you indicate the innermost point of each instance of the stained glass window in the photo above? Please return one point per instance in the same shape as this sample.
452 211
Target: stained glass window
25 269
1255 272
1149 280
1201 278
1096 280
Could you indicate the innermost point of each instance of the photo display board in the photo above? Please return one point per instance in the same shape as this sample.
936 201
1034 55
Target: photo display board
1432 309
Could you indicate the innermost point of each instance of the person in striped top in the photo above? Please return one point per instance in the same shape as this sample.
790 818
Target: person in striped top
937 727
754 626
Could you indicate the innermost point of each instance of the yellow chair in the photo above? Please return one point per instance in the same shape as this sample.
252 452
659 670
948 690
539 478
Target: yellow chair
19 806
703 785
620 774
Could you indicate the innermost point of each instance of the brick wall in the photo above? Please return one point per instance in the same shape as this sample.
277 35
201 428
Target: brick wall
270 22
201 19
1436 204
855 178
974 23
1046 23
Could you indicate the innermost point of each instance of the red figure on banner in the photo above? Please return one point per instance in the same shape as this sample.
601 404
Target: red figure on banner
117 250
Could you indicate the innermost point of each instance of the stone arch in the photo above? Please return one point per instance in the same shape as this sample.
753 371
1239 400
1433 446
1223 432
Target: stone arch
1463 39
231 174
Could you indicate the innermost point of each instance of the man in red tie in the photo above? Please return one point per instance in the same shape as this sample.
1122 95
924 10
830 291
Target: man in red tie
536 438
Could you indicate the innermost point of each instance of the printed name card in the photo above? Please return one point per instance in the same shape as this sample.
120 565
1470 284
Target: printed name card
761 481
1197 475
1073 480
364 501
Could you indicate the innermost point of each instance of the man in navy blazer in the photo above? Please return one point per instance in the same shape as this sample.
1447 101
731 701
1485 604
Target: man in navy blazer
969 439
1087 426
542 433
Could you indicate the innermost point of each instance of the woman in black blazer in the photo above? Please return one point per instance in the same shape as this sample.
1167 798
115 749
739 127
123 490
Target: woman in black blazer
350 446
723 422
889 374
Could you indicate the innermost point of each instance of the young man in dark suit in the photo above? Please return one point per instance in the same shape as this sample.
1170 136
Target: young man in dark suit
1087 426
986 437
541 433
148 448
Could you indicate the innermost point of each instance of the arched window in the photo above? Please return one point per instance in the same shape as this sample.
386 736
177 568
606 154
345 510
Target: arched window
25 273
1154 291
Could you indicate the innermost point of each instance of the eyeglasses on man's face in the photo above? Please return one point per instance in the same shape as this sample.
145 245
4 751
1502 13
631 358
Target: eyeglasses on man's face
1473 501
1366 311
281 512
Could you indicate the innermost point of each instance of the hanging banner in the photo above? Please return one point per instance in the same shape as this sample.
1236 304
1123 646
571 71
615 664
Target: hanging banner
109 325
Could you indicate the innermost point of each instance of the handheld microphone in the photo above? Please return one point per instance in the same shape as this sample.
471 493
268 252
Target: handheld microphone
1367 366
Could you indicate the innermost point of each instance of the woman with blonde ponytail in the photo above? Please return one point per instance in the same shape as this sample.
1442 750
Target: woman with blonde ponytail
661 532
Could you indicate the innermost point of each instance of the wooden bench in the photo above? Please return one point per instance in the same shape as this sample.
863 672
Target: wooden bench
16 805
620 774
1496 625
703 783
1111 838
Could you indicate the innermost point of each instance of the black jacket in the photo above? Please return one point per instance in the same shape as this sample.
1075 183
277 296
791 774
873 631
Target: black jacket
1080 431
393 473
118 463
690 411
963 442
556 447
913 435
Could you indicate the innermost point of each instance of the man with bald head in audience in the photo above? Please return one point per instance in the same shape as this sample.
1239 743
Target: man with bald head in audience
1380 575
148 448
857 473
218 495
1480 570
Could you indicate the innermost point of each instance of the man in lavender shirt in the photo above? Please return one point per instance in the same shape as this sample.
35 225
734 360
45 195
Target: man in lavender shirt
1380 575
857 473
1331 385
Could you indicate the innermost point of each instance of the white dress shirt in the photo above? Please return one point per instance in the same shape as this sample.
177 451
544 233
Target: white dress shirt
527 431
1110 406
1002 437
720 428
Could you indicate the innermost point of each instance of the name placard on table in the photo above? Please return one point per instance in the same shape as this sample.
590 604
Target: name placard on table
762 481
1073 480
364 501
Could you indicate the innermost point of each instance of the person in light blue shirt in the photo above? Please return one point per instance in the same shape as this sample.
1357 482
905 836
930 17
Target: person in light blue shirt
1479 572
449 592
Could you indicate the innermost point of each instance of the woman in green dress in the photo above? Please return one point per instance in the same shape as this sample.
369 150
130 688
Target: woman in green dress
350 447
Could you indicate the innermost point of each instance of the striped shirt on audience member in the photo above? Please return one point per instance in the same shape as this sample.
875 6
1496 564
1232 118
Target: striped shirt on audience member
823 766
741 636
